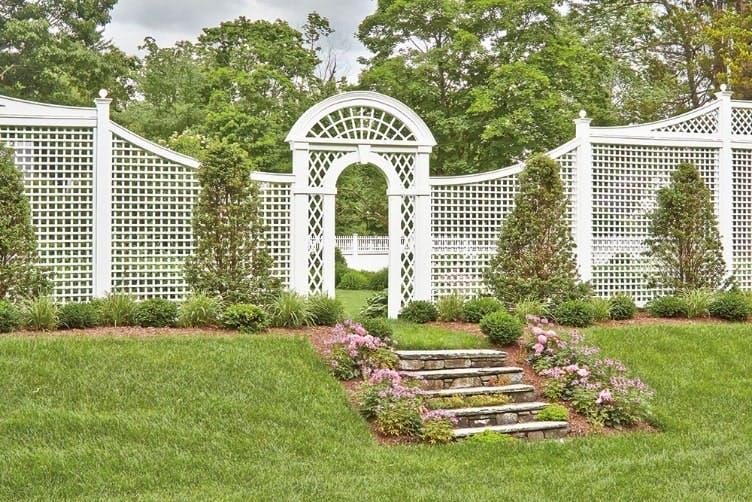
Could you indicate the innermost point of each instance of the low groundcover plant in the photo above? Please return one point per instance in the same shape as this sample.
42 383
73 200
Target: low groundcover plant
598 388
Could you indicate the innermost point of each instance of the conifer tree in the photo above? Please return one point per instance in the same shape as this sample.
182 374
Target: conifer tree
230 257
684 238
535 257
18 244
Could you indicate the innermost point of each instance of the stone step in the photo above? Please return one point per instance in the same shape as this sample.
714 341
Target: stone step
468 377
527 430
504 414
519 393
449 359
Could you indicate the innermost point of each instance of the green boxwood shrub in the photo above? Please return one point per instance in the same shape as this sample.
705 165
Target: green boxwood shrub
353 279
731 306
667 306
377 326
325 311
577 313
10 317
419 312
621 307
501 327
78 315
244 317
553 413
156 313
475 308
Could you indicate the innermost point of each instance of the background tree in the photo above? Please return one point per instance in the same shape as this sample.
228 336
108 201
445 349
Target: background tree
684 238
361 205
53 51
230 257
18 244
535 255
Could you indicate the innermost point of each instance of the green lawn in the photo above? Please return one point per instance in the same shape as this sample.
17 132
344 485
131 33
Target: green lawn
259 418
353 300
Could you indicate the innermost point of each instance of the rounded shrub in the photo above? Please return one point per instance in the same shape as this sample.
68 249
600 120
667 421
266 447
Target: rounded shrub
490 437
377 326
553 413
156 313
577 313
667 306
621 307
474 309
419 312
501 327
10 317
244 317
78 315
353 279
379 280
325 311
731 306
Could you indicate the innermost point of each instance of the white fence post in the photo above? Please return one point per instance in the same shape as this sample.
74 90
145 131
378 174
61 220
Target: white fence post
423 240
583 203
725 179
355 244
102 197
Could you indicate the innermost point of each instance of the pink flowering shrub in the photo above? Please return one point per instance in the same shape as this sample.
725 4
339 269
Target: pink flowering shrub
351 350
598 388
393 400
437 425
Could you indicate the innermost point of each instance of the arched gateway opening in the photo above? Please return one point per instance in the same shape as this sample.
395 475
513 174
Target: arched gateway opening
362 128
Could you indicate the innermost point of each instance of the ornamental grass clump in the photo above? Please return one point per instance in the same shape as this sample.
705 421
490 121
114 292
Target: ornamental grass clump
351 350
600 389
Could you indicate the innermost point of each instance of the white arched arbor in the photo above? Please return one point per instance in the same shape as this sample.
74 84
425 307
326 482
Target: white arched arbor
362 128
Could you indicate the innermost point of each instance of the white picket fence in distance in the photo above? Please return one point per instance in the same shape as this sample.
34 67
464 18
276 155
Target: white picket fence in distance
364 252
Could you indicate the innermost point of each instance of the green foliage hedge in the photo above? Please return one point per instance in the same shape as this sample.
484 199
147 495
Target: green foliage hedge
244 317
475 308
667 306
731 306
621 307
501 327
419 312
78 315
156 313
577 313
10 317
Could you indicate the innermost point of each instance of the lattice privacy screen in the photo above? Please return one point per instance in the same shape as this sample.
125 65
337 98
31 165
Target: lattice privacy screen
466 218
58 167
153 193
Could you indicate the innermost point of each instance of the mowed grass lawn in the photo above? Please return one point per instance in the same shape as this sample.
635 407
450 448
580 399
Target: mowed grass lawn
259 418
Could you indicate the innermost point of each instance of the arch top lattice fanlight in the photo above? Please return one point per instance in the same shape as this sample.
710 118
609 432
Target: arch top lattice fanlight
361 117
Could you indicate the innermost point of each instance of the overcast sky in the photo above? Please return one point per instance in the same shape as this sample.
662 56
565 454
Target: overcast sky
171 20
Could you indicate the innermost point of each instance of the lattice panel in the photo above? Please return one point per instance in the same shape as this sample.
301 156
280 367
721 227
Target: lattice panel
276 213
152 211
466 220
625 181
407 256
319 163
362 123
742 217
58 168
706 123
741 121
404 164
315 243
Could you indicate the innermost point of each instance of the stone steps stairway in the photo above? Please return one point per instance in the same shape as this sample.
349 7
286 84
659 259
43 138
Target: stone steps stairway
448 373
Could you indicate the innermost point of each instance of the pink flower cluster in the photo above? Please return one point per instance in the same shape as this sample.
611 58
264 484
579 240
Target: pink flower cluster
542 338
395 386
427 415
354 338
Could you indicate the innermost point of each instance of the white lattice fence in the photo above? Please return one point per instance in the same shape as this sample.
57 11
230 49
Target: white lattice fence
58 169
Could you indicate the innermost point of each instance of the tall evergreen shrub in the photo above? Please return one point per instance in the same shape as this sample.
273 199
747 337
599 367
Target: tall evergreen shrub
18 244
230 257
535 257
684 238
